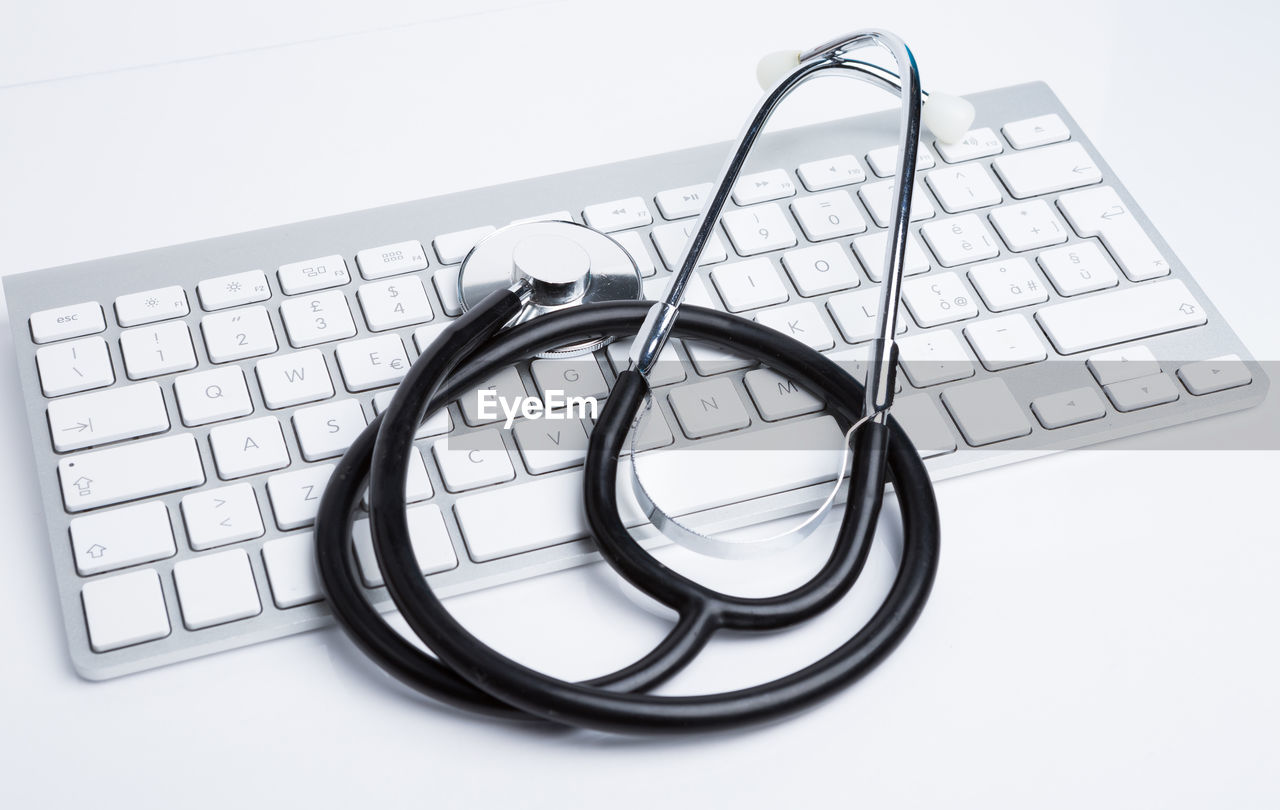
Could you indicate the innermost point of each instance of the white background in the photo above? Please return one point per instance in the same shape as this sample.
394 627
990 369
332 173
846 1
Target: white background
1103 631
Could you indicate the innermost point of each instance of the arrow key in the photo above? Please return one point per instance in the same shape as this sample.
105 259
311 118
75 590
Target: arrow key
1068 408
105 541
1143 392
1218 374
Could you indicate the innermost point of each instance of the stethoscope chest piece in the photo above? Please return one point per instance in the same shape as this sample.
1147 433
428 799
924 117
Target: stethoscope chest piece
564 264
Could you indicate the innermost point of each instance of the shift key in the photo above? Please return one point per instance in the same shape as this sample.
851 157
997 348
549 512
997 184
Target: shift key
1104 319
134 470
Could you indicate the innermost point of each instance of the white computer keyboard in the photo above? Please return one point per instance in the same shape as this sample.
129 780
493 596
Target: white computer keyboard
186 404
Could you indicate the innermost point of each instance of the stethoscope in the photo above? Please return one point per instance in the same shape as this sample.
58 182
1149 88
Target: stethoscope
551 287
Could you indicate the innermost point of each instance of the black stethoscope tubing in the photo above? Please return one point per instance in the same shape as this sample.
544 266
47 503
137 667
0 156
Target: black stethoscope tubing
471 675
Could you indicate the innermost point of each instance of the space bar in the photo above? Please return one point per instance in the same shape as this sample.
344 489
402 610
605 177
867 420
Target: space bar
684 480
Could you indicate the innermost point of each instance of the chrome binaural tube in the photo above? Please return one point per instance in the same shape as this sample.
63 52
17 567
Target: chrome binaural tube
817 61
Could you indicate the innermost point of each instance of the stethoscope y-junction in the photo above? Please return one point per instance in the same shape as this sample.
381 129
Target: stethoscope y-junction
552 287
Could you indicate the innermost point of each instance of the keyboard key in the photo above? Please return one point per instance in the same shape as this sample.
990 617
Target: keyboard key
1028 225
71 321
654 432
1005 342
928 429
372 362
878 198
671 239
248 447
392 260
548 446
934 357
758 229
709 407
801 321
710 360
78 365
446 283
216 588
1038 131
295 495
986 412
131 471
1008 284
870 250
688 201
976 143
150 306
820 175
237 334
428 536
417 485
667 370
634 246
220 516
505 386
1123 364
1118 317
938 299
554 216
107 416
695 293
452 248
1210 376
317 319
105 541
618 215
438 423
1078 268
292 379
313 274
291 570
854 363
749 285
154 350
884 161
960 240
234 290
1052 168
1144 392
777 397
327 430
570 376
124 610
827 216
473 460
820 269
964 188
211 396
1100 212
763 187
1068 408
855 315
394 303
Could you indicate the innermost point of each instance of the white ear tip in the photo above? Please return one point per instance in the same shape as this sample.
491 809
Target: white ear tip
947 117
774 66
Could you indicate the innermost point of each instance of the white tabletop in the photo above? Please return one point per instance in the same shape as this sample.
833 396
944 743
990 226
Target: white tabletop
1102 632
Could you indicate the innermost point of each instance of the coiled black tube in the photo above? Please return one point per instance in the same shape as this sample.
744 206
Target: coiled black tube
471 675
